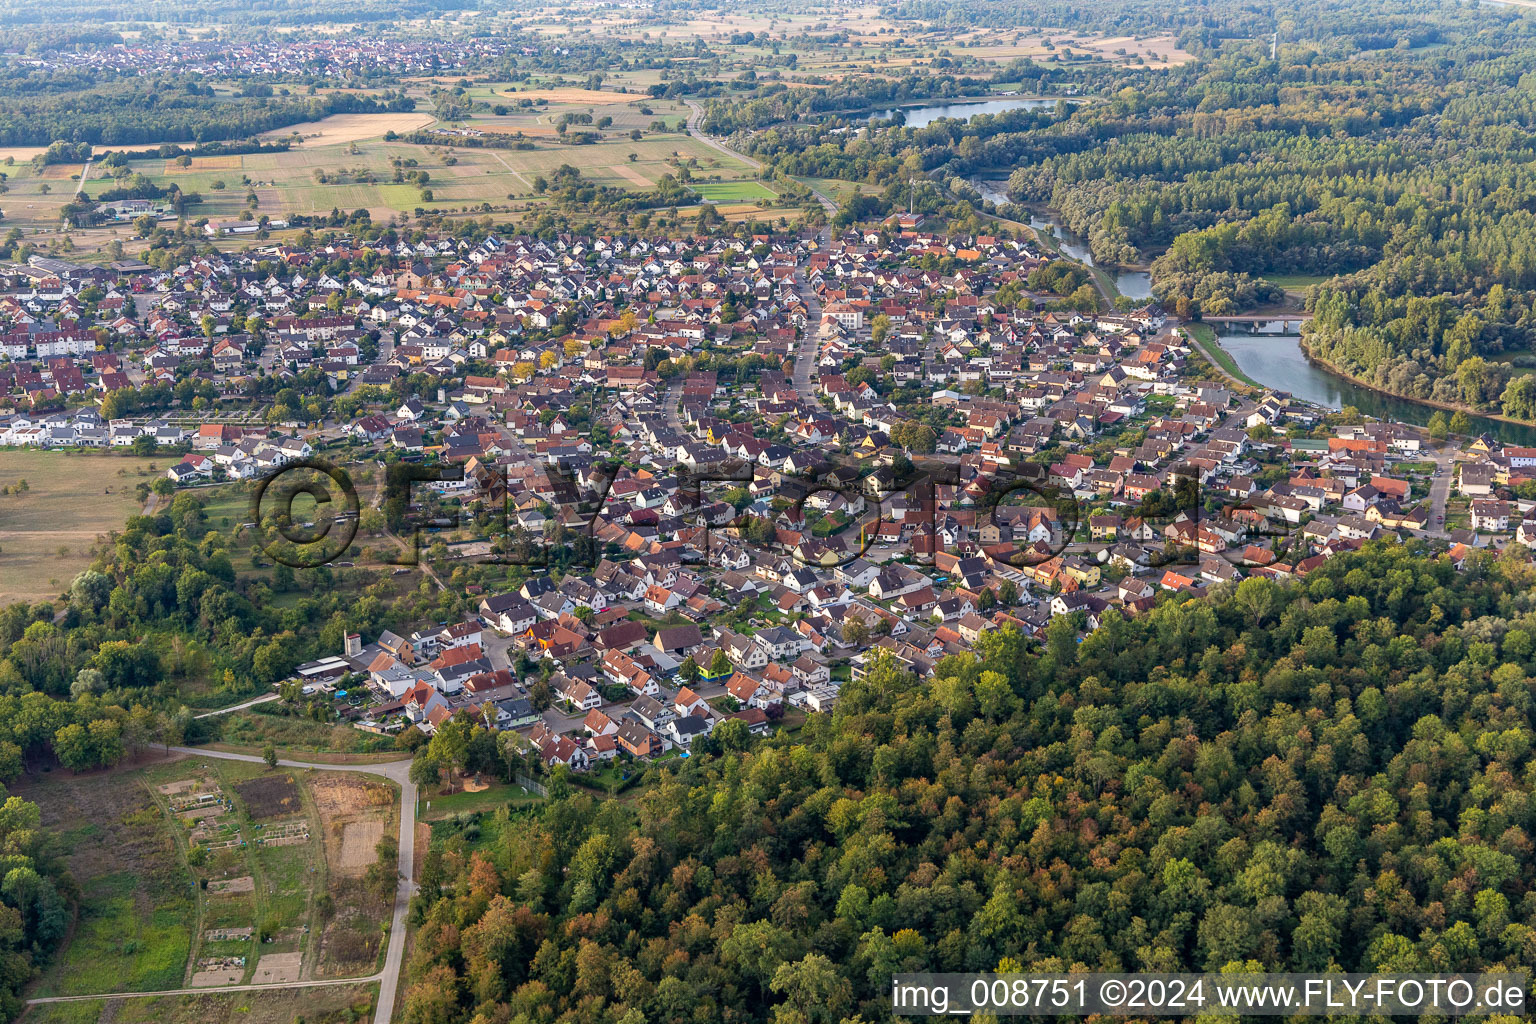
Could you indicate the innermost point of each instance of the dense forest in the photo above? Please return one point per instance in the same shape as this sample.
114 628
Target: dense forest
34 914
1326 774
138 111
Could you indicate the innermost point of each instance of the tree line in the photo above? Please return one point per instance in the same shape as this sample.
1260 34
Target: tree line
1325 774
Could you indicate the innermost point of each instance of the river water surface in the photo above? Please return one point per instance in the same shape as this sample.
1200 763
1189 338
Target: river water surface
922 117
1277 361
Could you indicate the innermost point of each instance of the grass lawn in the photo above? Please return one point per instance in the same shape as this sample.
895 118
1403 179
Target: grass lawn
834 189
1204 334
498 795
47 531
733 191
137 915
1106 282
87 1012
254 729
1296 282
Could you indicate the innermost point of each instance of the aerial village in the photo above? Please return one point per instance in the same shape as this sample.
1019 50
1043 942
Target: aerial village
782 454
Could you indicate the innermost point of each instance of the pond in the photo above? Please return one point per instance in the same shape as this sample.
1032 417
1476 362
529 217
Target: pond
922 117
1277 361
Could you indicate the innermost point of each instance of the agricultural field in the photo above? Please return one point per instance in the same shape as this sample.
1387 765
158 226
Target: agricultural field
358 174
858 26
46 531
33 199
205 872
340 1004
340 129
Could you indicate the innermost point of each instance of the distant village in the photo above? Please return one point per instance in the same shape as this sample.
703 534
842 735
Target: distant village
837 483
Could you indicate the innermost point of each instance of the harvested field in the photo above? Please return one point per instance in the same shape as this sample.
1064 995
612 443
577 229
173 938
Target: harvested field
336 794
358 839
343 128
355 814
59 172
531 130
204 163
630 174
93 493
270 796
278 969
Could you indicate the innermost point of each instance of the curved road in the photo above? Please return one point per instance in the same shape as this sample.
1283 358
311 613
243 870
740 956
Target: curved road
720 147
388 978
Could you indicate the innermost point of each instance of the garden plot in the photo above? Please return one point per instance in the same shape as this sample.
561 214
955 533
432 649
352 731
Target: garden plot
355 814
270 796
278 969
284 833
196 798
227 886
218 970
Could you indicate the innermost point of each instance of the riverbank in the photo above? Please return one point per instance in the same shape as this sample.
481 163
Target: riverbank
1432 403
1209 347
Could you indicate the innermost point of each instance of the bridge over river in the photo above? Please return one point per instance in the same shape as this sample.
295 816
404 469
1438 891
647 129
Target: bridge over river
1260 323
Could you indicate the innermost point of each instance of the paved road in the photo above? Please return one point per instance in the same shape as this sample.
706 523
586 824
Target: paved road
720 147
672 405
810 343
1440 490
388 978
237 707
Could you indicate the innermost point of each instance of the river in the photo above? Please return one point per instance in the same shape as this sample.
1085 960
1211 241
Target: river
1276 361
1133 284
922 117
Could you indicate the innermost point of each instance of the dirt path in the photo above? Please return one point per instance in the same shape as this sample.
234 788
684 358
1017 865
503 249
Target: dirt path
238 707
631 175
515 172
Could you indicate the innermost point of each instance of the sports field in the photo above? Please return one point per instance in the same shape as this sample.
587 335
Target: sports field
733 191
